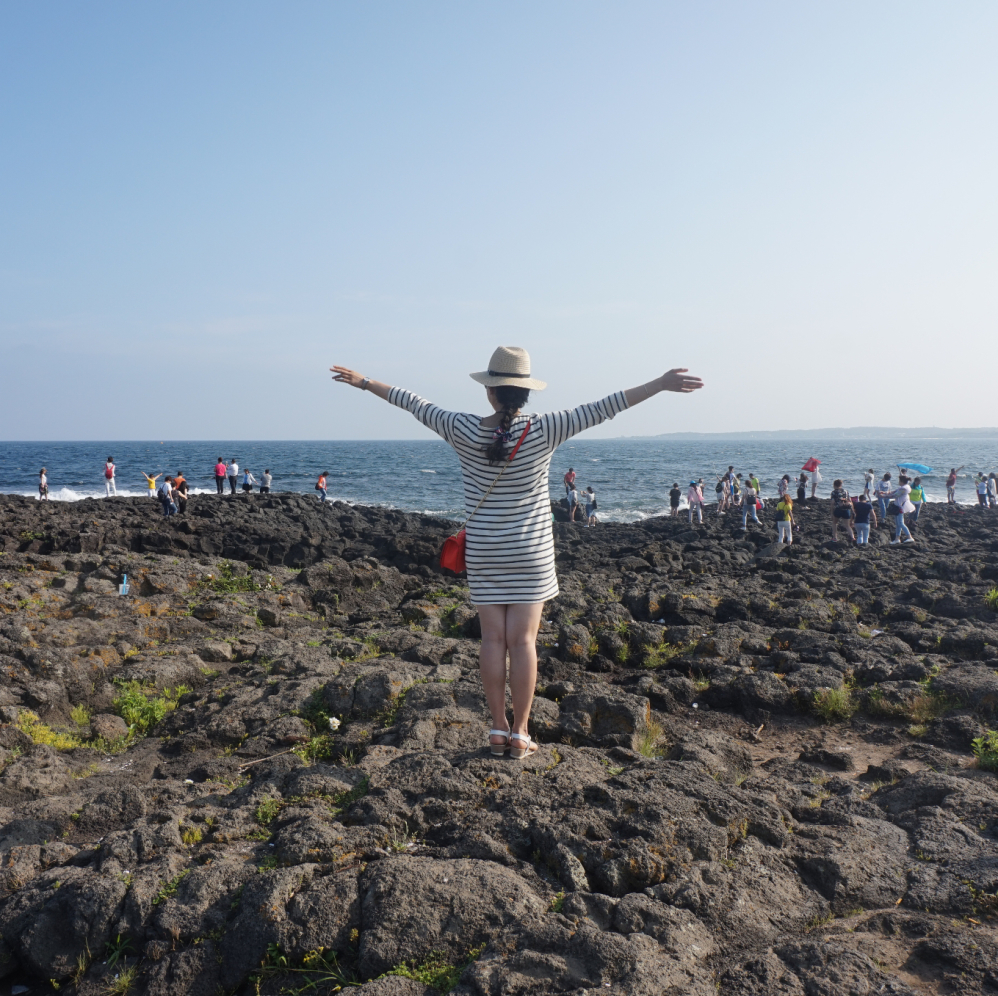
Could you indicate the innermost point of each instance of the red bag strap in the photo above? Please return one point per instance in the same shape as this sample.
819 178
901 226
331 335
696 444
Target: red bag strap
509 460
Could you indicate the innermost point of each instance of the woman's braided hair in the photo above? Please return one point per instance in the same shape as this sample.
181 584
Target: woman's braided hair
512 400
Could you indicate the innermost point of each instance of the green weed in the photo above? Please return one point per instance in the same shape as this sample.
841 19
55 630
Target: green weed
991 599
80 715
833 704
29 723
319 970
650 742
986 750
267 810
656 656
122 983
225 583
437 972
169 889
141 708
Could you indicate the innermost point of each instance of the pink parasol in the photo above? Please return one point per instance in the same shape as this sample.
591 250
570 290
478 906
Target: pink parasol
811 464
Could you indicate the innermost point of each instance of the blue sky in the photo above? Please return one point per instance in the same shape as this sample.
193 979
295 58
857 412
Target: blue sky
204 206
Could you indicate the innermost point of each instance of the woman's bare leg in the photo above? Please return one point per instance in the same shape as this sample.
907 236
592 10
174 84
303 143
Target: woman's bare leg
522 623
492 664
512 629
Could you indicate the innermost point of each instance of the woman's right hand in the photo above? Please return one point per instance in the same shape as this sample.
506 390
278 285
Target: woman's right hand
344 375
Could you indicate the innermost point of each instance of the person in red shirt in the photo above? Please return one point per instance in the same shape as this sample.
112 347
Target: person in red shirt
220 476
570 480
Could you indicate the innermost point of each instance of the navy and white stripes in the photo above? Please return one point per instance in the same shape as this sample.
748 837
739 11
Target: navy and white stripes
510 550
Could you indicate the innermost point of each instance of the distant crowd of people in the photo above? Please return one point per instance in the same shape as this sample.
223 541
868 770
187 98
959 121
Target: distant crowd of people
899 504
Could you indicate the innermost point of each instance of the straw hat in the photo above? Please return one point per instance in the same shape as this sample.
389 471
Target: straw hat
509 365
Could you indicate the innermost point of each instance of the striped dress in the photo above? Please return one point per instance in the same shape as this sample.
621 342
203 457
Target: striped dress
510 549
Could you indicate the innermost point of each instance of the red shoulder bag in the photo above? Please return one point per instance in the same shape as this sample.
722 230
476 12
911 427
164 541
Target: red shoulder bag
452 554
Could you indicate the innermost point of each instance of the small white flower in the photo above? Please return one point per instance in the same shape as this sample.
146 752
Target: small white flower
334 723
695 705
188 781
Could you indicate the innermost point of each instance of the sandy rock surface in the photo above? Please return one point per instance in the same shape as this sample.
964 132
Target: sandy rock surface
265 768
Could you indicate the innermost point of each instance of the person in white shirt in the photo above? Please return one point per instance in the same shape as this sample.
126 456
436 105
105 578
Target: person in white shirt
590 497
248 481
903 504
109 486
694 498
43 486
265 482
165 493
868 483
233 470
573 504
884 488
992 490
982 490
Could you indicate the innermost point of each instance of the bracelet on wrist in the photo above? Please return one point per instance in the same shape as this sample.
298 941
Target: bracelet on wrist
363 384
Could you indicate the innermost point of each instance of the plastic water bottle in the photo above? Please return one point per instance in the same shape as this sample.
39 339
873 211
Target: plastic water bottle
123 587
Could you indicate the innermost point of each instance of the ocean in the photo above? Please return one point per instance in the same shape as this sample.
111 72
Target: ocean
631 477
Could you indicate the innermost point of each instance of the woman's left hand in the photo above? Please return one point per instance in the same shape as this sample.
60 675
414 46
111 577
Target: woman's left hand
679 380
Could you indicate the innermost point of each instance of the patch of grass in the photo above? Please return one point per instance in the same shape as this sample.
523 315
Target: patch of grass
29 723
190 835
268 862
141 708
318 969
656 656
317 748
118 949
833 704
122 983
991 599
80 715
986 750
224 582
437 972
917 730
557 902
267 810
650 743
169 889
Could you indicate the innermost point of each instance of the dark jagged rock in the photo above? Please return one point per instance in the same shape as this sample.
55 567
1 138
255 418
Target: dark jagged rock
265 766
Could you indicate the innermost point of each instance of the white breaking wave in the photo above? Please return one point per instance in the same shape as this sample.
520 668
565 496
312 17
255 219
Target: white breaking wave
71 494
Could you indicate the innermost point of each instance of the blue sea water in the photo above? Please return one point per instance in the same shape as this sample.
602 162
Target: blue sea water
631 477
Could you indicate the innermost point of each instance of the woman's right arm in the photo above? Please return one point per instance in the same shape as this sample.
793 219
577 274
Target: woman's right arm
437 419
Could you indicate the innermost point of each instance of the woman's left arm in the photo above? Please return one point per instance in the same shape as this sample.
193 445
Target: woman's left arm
677 380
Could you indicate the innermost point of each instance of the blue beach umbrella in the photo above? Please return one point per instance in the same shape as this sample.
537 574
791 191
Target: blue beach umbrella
918 468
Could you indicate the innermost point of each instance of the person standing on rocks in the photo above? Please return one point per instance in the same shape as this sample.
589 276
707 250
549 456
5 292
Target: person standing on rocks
917 499
248 481
220 472
694 498
864 513
802 488
674 495
109 484
901 506
166 497
151 483
785 520
569 480
868 484
320 485
43 485
992 490
784 486
265 482
842 511
951 485
180 490
573 503
748 505
590 497
233 474
754 481
884 489
510 547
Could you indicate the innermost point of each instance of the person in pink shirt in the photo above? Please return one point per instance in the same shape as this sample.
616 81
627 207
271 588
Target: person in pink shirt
220 476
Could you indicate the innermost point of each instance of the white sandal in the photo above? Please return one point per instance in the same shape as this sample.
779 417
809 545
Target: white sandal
521 752
499 750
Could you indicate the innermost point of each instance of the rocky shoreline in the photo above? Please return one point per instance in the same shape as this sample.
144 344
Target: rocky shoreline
264 768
